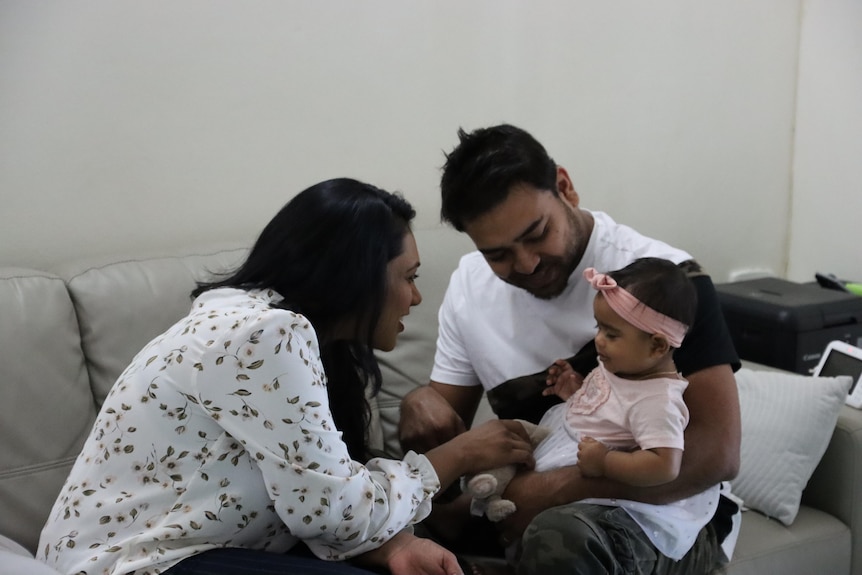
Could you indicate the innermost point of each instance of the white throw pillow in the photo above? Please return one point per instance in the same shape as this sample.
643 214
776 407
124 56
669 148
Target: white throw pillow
787 422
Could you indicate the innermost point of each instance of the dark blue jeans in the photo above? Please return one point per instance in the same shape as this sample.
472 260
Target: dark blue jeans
247 561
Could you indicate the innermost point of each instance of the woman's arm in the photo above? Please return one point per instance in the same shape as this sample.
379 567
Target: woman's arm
495 443
263 383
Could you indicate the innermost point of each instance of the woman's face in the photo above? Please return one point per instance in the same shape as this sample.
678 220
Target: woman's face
401 295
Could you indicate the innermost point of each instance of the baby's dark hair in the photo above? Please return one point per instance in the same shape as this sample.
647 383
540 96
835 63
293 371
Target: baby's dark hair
662 285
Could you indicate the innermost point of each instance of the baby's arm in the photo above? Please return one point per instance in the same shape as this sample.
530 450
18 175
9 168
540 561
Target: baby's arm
563 381
642 468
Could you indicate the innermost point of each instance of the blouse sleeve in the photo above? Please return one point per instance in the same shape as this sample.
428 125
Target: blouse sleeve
265 386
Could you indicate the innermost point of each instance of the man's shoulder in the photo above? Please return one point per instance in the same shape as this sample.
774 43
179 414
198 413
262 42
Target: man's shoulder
471 260
616 240
473 270
469 285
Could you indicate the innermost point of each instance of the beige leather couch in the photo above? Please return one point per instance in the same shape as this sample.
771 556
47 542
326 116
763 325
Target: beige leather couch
67 333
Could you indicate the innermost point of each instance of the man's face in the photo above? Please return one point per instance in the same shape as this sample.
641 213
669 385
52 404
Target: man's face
534 240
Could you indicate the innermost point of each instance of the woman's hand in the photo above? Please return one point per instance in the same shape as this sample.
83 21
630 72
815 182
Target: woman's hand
495 443
406 554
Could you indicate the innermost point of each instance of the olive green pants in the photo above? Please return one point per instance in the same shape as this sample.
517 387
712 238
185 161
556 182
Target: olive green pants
586 539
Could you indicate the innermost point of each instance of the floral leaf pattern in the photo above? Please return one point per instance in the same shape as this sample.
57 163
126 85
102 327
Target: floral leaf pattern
219 433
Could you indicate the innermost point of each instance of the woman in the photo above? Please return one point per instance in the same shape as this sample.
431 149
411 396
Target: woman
241 430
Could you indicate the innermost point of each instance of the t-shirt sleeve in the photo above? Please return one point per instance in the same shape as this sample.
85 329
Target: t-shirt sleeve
659 419
266 388
708 341
452 363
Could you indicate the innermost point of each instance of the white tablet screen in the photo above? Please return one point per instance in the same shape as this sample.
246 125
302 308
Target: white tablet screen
838 363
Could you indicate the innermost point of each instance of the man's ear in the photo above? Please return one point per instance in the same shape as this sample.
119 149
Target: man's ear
659 345
565 188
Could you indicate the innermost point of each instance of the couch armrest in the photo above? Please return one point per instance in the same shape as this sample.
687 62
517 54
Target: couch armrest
16 560
836 485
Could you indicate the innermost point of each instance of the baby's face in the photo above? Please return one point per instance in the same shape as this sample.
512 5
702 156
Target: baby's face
623 349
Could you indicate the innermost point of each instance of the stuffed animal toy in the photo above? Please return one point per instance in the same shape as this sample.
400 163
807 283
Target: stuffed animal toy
487 488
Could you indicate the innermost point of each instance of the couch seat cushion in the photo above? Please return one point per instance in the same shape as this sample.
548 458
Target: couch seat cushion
816 542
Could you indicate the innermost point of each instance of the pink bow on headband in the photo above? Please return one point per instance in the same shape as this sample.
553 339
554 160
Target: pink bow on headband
635 311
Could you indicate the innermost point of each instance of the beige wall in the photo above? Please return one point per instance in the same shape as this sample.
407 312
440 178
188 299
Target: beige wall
139 126
827 172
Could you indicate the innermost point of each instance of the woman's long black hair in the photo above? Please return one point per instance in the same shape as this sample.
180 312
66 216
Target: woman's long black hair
326 253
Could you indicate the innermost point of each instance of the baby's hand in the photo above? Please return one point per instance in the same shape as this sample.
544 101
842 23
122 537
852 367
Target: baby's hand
591 457
563 381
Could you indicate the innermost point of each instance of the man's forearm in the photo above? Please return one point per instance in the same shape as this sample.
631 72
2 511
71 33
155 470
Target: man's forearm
427 420
533 492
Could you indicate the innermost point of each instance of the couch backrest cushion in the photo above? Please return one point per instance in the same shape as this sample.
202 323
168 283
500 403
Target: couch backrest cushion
123 305
46 407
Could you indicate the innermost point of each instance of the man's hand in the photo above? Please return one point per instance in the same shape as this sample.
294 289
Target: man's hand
427 420
433 414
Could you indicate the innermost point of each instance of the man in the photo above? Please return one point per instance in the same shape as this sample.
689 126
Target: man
519 303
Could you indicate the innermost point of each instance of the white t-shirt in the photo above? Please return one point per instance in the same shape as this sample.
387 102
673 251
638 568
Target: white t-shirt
491 332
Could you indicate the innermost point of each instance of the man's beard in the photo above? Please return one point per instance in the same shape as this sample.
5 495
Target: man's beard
548 280
551 275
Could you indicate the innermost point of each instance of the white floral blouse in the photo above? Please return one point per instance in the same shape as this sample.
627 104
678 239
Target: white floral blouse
219 433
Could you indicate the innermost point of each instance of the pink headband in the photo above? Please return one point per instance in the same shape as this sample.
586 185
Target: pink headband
635 311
